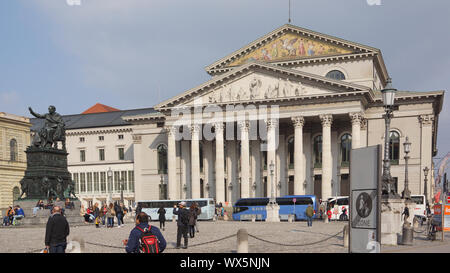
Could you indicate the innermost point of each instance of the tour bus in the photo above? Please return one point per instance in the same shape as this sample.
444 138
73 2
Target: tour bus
247 208
420 209
338 203
151 207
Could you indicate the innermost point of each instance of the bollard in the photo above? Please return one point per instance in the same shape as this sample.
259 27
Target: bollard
253 218
416 223
407 234
346 236
173 218
242 241
290 217
76 245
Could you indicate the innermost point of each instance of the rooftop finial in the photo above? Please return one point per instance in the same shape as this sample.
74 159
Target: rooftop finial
289 12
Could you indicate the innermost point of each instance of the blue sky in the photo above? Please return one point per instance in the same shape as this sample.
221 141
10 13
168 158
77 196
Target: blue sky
135 53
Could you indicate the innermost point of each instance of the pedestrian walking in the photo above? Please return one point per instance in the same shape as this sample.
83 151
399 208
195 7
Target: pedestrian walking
119 213
56 232
136 242
162 218
110 213
192 219
309 215
182 223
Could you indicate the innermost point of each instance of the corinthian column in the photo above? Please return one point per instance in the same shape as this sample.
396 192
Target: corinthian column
172 163
326 156
245 160
195 161
299 164
356 119
220 175
271 153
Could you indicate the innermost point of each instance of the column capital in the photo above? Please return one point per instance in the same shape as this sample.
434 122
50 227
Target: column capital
244 125
219 126
326 119
426 120
298 121
271 123
356 117
171 130
195 128
364 124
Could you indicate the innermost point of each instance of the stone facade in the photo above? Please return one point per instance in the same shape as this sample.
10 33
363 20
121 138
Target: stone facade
319 103
14 139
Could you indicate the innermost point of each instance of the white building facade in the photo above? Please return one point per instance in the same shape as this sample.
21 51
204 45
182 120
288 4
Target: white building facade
309 97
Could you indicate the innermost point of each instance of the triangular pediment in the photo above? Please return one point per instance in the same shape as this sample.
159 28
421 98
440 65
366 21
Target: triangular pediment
291 46
289 43
256 81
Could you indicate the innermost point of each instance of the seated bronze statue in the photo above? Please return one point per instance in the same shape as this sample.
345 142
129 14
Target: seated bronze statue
53 130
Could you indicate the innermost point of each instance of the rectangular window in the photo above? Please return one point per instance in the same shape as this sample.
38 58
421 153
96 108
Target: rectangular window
101 138
116 181
82 155
121 154
124 177
131 180
77 183
81 139
89 182
96 182
120 136
101 154
82 182
103 181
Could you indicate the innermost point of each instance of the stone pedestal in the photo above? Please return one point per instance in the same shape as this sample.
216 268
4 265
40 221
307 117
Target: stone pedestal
391 220
273 213
41 218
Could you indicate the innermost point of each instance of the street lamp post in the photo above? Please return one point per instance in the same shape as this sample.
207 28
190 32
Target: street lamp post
110 174
272 208
425 173
407 148
388 191
121 190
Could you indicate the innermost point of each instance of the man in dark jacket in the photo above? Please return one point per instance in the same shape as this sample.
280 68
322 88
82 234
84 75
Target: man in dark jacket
119 213
182 223
132 244
56 232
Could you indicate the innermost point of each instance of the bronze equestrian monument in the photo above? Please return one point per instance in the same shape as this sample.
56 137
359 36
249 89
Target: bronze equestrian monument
47 177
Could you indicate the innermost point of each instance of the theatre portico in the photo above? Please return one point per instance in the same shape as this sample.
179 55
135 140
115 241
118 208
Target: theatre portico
294 97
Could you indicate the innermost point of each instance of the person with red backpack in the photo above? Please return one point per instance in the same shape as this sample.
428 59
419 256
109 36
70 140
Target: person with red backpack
144 238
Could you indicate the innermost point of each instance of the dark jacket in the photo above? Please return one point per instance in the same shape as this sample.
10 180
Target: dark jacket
180 212
118 209
162 214
135 235
57 230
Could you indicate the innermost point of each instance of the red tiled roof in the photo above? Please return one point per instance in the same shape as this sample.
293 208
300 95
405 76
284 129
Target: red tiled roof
100 108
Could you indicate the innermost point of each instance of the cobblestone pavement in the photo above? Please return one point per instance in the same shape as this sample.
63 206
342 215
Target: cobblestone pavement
102 240
21 240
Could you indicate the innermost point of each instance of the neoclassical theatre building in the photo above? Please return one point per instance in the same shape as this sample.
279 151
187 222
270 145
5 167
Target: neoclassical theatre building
321 96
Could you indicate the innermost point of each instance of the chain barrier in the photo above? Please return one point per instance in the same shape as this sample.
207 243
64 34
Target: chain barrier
307 244
214 241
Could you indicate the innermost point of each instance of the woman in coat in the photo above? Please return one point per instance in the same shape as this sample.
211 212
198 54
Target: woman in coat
110 213
162 218
192 220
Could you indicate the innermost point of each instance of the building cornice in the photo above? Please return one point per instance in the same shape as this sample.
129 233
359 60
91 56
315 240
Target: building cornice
98 131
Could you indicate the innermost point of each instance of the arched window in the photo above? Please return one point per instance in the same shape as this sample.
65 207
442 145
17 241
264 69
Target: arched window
162 159
346 147
318 151
13 150
394 147
16 193
291 152
335 75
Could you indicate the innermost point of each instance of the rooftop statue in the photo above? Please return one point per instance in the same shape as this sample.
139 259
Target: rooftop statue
52 132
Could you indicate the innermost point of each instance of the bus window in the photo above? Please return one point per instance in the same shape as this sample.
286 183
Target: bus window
342 202
417 199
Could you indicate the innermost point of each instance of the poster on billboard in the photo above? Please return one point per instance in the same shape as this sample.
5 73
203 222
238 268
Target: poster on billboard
365 190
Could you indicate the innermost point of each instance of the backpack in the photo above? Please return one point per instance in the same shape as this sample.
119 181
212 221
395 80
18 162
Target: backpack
184 217
148 243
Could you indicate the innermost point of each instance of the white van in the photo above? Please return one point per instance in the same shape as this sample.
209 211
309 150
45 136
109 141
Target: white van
337 204
420 209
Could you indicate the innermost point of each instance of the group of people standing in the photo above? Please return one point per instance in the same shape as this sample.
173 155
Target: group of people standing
105 214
